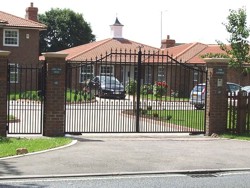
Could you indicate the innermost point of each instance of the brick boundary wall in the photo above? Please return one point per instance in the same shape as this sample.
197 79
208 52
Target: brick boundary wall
3 94
217 96
54 104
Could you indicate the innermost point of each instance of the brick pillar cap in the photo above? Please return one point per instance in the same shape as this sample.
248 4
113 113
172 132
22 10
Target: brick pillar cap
216 60
54 55
4 53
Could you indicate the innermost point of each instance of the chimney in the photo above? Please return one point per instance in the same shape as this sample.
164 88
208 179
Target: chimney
31 13
167 43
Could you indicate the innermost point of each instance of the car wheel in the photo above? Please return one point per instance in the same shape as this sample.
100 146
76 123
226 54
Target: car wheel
123 97
100 94
199 106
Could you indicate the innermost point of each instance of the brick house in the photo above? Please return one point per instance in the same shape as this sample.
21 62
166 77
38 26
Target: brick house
20 36
96 50
191 53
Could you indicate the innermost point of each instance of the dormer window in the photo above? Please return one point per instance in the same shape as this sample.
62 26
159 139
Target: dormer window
11 37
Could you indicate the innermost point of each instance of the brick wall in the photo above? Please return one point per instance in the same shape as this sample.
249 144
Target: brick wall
216 110
54 104
3 94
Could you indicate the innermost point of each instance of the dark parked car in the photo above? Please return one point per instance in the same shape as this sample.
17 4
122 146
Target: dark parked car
107 86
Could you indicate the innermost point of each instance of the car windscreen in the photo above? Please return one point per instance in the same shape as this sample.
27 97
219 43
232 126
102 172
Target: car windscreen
109 80
199 88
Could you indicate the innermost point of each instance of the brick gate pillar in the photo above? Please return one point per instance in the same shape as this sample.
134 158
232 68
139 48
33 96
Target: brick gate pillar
216 110
54 103
3 94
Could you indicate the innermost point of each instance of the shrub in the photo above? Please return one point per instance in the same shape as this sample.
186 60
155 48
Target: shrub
147 89
131 87
156 115
160 89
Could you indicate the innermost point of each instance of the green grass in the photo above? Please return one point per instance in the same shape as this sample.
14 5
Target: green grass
30 95
245 136
71 96
163 98
188 118
78 96
8 146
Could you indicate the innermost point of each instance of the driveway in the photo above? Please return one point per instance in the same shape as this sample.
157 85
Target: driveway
132 153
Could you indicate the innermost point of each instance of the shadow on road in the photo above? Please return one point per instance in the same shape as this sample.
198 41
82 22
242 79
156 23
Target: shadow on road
7 168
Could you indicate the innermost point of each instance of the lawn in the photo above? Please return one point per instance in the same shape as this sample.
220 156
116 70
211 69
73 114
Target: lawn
163 98
8 146
188 118
71 96
78 96
245 136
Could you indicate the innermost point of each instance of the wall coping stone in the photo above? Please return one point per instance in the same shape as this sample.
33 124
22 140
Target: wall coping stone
54 55
216 60
4 53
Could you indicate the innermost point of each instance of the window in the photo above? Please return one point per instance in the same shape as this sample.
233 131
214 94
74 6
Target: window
107 70
86 72
135 73
195 77
148 75
11 37
161 74
13 73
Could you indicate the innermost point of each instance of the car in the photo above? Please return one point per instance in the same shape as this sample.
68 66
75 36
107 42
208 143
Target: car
198 96
107 87
198 93
246 88
232 87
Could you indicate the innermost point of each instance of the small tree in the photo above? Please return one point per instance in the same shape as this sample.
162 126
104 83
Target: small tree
131 89
238 50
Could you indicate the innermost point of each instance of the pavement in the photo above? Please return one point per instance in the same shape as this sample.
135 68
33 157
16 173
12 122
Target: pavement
126 154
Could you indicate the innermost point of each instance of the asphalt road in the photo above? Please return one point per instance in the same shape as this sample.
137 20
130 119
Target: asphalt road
222 180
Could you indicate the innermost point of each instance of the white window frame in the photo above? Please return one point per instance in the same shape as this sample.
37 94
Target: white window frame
196 76
105 72
15 78
148 74
86 72
11 37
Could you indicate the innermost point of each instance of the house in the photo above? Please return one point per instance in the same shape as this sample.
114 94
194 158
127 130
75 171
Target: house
97 50
117 56
191 53
20 36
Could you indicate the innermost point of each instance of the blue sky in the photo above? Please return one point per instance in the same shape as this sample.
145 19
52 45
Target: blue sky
145 21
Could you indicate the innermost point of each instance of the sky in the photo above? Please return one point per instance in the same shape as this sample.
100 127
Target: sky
147 22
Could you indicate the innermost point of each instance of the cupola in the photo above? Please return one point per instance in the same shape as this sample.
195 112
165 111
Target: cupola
116 29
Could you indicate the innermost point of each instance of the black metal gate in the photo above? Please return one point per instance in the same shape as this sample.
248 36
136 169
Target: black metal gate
25 98
157 94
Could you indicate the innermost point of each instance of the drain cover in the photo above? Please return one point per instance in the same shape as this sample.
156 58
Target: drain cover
202 175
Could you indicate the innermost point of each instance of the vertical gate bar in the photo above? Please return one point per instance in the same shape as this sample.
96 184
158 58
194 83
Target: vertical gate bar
138 91
43 81
18 90
206 78
8 96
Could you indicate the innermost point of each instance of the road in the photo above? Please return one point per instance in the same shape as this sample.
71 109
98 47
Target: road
222 180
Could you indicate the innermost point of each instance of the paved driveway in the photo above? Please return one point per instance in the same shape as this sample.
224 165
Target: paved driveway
130 153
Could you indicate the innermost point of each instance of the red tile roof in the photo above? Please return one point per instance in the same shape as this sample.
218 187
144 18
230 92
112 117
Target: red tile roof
9 20
191 52
187 53
96 50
